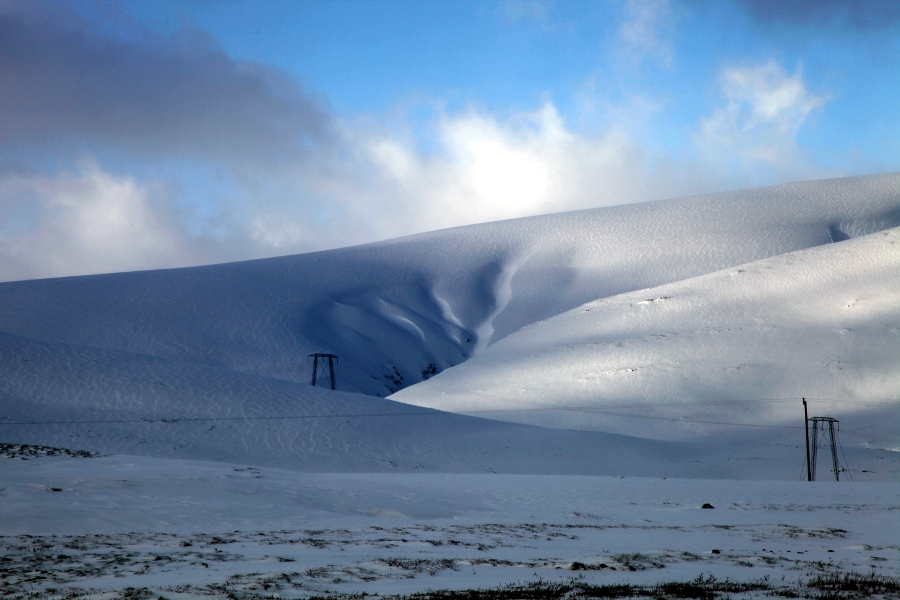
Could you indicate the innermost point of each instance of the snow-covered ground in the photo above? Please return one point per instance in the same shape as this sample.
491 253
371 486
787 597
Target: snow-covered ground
186 529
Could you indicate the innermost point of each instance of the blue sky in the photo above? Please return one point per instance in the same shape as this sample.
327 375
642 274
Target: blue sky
144 134
371 57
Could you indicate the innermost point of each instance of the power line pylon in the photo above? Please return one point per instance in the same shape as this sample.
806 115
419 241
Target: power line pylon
332 358
824 424
809 476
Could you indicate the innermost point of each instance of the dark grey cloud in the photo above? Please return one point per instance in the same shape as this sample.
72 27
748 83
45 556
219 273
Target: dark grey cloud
65 81
858 14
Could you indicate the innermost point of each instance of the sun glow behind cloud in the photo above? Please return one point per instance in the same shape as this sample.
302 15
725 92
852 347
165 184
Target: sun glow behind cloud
292 175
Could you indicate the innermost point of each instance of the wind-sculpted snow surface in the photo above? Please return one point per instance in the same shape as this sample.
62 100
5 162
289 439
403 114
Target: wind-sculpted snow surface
737 346
84 399
399 311
71 397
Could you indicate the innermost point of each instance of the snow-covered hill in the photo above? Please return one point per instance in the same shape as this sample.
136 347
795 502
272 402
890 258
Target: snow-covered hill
210 362
115 402
399 311
736 346
105 401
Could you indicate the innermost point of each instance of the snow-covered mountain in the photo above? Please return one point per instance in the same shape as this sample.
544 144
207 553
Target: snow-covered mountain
399 311
205 362
741 345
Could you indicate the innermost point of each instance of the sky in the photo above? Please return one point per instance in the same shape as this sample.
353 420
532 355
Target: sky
142 134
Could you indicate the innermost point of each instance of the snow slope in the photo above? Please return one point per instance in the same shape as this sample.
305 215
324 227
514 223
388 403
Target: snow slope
114 402
740 345
399 311
106 401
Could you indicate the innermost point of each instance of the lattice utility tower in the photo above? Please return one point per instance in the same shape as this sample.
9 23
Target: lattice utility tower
332 358
823 424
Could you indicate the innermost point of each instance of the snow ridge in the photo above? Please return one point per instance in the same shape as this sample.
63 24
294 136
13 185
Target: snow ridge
822 322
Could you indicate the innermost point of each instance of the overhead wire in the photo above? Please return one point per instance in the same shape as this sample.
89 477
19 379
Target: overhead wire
864 435
604 409
457 391
170 420
388 414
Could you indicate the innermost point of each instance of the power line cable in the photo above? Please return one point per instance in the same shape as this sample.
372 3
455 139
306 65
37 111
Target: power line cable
604 410
375 415
863 435
434 413
457 391
198 419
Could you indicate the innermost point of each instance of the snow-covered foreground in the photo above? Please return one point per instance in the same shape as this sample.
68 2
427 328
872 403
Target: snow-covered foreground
186 529
737 346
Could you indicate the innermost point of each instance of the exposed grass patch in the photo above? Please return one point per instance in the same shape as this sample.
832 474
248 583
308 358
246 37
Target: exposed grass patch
31 451
702 588
839 586
849 586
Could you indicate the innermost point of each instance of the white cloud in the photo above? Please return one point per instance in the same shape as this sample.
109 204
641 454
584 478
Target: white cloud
487 169
646 31
758 125
377 183
89 222
529 11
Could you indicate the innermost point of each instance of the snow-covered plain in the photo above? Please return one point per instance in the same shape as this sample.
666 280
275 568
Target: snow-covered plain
669 341
95 527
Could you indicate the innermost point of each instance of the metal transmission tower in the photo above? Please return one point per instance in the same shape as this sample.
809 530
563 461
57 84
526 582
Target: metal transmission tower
824 424
332 358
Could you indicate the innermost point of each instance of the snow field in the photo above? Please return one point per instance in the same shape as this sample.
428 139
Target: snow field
113 402
198 529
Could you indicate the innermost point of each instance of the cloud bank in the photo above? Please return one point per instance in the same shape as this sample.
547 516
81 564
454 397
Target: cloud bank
62 81
87 221
293 177
858 14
